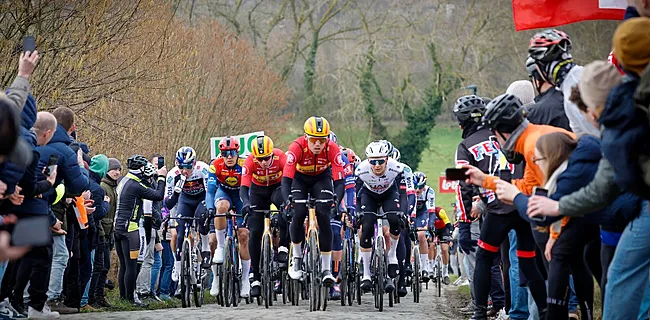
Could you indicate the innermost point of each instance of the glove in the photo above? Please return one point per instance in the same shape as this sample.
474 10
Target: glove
359 220
179 184
465 242
403 220
245 210
206 215
335 213
287 212
275 220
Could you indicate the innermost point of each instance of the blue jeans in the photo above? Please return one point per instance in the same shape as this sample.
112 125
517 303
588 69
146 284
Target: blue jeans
165 287
60 257
518 294
627 277
155 270
3 268
573 299
84 298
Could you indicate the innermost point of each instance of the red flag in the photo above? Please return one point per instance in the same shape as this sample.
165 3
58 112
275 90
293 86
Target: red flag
531 14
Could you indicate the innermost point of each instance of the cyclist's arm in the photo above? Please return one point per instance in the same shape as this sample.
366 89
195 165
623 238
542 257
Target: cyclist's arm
443 216
147 193
170 198
410 187
338 171
293 156
431 201
349 186
211 187
246 179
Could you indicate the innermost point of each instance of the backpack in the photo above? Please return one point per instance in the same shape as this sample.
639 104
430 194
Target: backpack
625 141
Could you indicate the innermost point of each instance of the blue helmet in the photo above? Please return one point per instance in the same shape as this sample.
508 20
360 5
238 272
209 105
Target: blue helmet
419 179
333 138
186 156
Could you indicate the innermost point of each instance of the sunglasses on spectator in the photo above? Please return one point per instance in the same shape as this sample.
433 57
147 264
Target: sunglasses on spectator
267 158
376 162
229 153
322 140
186 166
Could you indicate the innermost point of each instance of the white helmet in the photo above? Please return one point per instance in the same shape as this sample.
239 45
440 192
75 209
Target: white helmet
377 149
396 155
149 170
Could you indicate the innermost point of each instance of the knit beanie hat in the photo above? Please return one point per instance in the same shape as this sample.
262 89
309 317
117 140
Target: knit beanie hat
523 90
99 165
114 164
631 44
598 79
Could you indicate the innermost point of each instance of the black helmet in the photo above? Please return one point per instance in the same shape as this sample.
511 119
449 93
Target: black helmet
469 108
136 162
504 113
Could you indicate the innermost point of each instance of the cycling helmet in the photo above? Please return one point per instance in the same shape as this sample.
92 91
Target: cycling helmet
228 143
549 45
469 108
263 147
149 170
349 153
395 154
136 162
531 66
377 149
317 127
185 156
333 137
504 113
419 179
389 145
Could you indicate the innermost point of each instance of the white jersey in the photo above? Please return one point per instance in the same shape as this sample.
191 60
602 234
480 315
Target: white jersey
407 179
375 183
428 198
194 185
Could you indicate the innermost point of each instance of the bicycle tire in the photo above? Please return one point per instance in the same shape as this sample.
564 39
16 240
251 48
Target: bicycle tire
283 286
357 281
266 271
295 290
343 273
381 270
439 276
236 284
185 279
314 289
415 282
228 272
198 287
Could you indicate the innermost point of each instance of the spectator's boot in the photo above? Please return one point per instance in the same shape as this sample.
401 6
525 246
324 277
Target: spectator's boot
480 313
58 306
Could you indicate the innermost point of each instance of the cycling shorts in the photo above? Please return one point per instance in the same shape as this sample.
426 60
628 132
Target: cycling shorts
133 239
422 218
231 196
443 234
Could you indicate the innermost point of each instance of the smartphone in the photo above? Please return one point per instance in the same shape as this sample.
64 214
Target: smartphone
505 175
33 231
29 43
537 191
161 162
456 174
51 162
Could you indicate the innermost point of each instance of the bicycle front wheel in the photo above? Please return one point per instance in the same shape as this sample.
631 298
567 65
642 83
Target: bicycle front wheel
313 263
267 285
380 265
185 275
343 274
228 273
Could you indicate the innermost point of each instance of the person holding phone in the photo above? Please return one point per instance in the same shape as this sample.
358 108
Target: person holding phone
480 152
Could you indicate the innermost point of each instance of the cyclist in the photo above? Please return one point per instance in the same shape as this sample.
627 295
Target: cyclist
189 184
407 201
223 193
426 204
262 177
131 191
440 225
335 221
377 181
313 163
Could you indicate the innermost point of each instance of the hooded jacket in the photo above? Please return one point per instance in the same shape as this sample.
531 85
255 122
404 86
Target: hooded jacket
69 171
98 169
109 185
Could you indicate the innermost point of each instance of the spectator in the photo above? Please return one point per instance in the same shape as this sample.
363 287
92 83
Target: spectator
523 90
549 103
98 168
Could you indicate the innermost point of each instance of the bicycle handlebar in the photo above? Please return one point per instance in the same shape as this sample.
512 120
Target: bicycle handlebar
306 201
266 211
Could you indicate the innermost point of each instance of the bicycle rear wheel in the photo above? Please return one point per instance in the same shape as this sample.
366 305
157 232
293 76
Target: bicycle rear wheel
312 270
266 271
185 275
343 274
380 264
416 286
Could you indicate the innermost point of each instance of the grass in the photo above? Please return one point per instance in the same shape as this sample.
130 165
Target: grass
113 297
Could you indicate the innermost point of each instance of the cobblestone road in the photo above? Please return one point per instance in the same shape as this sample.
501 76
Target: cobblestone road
430 307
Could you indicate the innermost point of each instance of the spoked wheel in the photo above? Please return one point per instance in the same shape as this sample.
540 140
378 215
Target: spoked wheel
380 264
185 275
228 273
198 286
313 261
416 287
343 274
439 276
284 286
267 283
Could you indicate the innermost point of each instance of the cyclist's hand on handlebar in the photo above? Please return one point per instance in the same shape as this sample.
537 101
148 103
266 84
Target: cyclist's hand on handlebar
335 213
403 220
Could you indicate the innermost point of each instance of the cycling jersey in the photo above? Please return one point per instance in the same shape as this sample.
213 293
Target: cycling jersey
428 198
130 193
253 172
441 218
350 199
379 184
194 186
301 159
223 178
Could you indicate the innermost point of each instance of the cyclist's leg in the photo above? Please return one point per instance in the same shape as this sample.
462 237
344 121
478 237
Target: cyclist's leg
184 209
493 232
390 204
527 264
366 203
404 238
203 231
422 222
337 254
222 205
259 200
133 243
445 238
283 226
433 250
299 191
242 236
322 189
172 225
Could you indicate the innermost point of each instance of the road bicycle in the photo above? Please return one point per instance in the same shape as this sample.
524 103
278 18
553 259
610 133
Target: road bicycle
268 268
317 292
350 276
229 272
416 280
192 276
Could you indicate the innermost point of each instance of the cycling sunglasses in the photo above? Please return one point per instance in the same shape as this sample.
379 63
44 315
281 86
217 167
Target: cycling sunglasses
186 166
229 153
322 140
376 162
267 158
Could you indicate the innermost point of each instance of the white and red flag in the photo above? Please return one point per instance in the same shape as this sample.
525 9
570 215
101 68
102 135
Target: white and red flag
532 14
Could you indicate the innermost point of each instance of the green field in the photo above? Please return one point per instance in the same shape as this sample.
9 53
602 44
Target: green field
443 141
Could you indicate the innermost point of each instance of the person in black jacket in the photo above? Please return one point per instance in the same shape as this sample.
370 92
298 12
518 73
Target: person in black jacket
480 149
549 103
98 169
131 191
